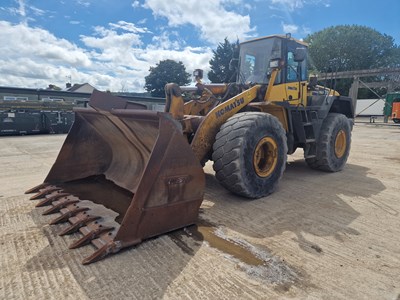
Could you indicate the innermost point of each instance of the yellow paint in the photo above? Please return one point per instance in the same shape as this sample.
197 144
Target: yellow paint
265 157
273 109
294 92
208 129
340 144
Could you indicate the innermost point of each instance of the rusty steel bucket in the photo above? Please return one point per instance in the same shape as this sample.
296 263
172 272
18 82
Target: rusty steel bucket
123 175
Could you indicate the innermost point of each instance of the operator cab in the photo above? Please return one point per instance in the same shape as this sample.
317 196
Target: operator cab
258 56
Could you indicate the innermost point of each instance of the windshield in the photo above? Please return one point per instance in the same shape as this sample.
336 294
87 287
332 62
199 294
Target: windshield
255 57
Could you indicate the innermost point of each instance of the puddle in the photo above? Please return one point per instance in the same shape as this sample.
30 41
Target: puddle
207 233
257 263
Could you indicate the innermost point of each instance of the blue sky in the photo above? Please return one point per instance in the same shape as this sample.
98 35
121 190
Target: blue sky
112 44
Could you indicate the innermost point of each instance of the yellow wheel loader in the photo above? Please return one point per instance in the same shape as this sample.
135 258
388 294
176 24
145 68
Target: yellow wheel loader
125 174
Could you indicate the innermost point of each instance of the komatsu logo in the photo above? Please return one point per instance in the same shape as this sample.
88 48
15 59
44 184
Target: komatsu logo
229 107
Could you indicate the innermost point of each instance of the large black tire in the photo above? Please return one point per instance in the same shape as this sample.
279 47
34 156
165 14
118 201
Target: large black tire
397 121
333 144
250 154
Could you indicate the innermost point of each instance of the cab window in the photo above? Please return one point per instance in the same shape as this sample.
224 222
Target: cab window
249 65
295 71
292 68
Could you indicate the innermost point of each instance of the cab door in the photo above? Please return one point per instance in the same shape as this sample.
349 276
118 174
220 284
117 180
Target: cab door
291 82
295 75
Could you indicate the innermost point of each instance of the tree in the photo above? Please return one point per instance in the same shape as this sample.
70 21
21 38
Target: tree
351 47
220 71
53 87
165 71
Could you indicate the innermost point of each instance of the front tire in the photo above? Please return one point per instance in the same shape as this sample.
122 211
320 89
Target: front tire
333 144
250 154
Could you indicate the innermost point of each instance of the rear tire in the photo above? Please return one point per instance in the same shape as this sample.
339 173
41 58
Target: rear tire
333 144
397 121
250 153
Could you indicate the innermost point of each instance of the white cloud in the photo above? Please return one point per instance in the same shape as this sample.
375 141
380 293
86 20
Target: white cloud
248 6
21 8
167 40
24 11
107 38
33 57
293 29
292 5
235 2
20 40
129 27
16 11
135 4
83 3
210 17
290 28
306 30
37 11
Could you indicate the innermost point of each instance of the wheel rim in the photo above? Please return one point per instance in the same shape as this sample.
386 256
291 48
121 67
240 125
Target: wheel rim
265 157
340 144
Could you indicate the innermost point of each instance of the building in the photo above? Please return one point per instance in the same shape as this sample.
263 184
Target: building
27 111
34 95
80 88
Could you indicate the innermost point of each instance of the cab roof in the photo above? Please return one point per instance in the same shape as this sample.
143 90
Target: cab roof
280 36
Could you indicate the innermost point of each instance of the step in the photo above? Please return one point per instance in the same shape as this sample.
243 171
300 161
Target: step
310 156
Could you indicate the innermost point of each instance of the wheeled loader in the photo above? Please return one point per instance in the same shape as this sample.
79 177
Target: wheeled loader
125 174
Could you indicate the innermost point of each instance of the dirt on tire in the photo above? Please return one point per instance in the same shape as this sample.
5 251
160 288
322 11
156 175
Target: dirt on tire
234 149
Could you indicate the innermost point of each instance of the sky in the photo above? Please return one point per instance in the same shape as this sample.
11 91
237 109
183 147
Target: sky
112 44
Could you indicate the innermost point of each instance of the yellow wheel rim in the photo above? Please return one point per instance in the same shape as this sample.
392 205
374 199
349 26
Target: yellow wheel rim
340 144
265 157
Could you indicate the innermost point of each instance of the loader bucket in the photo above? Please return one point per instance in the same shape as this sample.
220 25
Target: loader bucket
122 176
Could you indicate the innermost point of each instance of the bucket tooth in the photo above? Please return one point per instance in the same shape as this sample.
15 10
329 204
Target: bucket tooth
81 220
50 198
108 248
91 235
131 169
43 192
60 204
36 188
67 213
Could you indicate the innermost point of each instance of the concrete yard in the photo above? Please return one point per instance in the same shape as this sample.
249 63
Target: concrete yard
319 236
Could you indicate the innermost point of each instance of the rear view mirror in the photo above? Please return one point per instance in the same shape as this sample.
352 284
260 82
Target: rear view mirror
300 54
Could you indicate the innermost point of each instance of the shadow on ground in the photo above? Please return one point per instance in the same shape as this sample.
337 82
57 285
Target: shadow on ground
306 202
141 272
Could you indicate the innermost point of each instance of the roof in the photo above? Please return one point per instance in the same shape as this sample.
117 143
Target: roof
76 87
41 92
280 36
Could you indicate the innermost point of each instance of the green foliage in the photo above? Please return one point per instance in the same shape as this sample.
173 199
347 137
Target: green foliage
220 72
53 87
352 47
165 71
